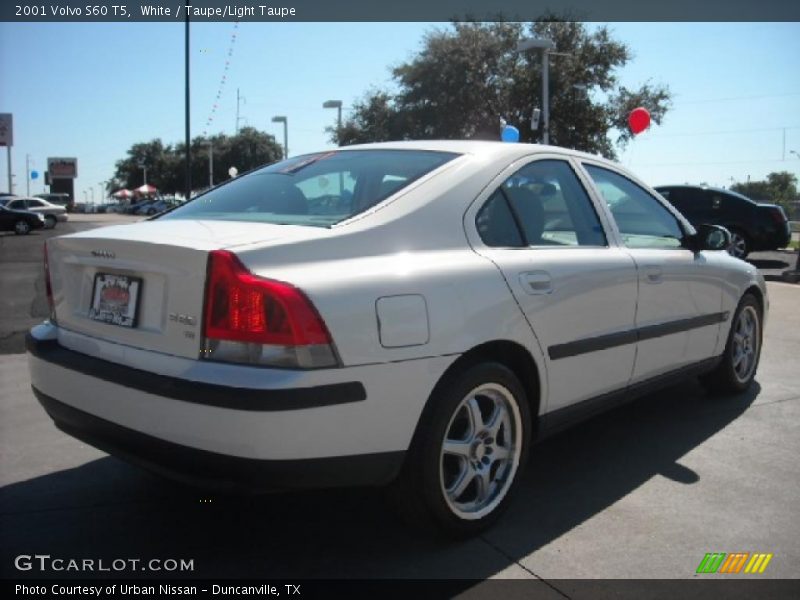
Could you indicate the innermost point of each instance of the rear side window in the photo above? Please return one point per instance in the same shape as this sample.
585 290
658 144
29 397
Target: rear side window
315 189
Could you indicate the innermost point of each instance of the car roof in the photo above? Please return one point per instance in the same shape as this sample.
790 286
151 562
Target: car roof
473 147
710 188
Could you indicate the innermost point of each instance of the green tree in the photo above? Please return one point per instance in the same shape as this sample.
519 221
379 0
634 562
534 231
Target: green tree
779 187
166 164
469 76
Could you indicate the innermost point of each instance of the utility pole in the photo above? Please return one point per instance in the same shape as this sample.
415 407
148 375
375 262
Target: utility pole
545 45
27 174
188 190
10 177
239 99
210 164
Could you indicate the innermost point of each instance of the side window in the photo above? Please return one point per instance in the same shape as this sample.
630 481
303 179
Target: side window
548 201
642 221
496 224
17 204
34 204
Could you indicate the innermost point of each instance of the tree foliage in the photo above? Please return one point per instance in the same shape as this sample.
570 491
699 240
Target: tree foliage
469 76
166 164
779 187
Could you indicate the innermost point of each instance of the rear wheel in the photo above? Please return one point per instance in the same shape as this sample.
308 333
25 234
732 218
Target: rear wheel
465 461
742 352
22 227
740 245
50 222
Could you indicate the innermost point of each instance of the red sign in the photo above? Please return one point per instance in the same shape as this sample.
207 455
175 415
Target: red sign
62 168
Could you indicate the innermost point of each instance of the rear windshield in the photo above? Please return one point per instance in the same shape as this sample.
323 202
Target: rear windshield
314 189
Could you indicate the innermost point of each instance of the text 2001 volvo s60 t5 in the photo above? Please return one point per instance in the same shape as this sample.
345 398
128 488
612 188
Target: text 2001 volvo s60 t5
415 312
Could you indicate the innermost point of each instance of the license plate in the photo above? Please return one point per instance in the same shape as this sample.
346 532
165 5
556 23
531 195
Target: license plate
115 299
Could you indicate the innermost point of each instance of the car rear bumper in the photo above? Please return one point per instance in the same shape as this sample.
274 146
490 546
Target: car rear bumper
211 470
287 429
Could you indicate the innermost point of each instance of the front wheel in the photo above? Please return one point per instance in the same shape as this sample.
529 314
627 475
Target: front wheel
50 222
465 461
740 245
742 352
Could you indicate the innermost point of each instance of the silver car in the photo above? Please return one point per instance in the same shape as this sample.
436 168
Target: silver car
414 313
53 213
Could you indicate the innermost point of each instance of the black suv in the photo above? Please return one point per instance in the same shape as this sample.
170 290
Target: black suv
753 226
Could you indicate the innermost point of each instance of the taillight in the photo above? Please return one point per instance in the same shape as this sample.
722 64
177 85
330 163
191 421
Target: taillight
777 214
250 319
48 286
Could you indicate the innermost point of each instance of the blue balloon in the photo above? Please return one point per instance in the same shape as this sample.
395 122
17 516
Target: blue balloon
34 174
510 134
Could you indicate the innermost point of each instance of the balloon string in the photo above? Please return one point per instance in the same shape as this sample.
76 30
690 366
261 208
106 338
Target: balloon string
220 88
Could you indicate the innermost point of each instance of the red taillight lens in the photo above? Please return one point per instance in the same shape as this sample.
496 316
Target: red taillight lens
777 215
48 286
245 308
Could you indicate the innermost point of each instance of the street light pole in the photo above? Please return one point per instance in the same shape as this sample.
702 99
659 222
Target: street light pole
545 45
285 122
337 104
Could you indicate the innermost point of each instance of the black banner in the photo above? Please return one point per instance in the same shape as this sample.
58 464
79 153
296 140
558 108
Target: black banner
406 10
492 589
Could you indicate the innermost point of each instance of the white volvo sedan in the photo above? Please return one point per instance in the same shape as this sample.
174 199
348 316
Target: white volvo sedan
412 312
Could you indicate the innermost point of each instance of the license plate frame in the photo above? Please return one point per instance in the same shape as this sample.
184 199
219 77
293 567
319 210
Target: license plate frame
115 299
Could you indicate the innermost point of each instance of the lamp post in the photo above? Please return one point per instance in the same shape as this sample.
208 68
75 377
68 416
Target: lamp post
285 122
102 187
210 164
143 167
337 104
545 45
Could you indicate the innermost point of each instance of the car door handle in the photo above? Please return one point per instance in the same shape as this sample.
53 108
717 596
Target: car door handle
536 282
653 274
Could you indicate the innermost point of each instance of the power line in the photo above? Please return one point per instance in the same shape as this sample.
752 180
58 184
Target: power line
730 98
727 131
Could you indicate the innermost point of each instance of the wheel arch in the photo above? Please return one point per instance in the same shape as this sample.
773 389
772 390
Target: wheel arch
510 354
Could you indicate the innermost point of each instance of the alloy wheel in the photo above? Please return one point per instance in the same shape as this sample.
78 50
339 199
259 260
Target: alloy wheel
480 452
746 339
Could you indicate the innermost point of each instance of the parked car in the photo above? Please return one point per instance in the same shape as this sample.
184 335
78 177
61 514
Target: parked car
53 213
61 199
412 312
754 226
133 208
21 222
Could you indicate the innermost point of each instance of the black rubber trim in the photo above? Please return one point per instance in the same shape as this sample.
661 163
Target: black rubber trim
212 470
197 392
632 336
560 419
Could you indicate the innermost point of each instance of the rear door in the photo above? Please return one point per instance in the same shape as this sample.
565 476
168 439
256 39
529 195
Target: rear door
678 314
537 223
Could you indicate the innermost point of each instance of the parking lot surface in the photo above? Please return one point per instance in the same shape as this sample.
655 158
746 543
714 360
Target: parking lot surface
644 491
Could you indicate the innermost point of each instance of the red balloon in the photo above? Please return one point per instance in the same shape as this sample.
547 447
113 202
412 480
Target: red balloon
638 120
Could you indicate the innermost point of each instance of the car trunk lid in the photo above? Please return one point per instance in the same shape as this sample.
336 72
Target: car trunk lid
143 284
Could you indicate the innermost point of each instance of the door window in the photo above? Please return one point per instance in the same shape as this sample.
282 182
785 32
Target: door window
542 204
642 220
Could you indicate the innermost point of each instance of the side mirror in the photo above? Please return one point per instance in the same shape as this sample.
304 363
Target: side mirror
711 237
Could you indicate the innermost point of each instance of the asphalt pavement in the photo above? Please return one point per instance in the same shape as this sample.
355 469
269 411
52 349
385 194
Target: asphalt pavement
644 491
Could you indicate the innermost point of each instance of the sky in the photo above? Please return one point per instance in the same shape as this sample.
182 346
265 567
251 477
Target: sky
91 90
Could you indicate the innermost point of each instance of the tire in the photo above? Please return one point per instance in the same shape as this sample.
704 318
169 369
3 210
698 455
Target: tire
483 417
22 227
740 244
742 351
50 222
